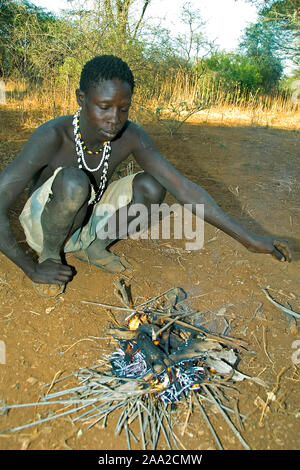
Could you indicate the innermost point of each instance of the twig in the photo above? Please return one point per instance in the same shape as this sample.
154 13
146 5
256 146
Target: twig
237 415
277 304
83 339
123 293
44 420
228 421
189 412
214 337
257 310
165 327
211 428
112 317
269 397
153 299
291 321
141 425
125 309
127 436
265 346
53 381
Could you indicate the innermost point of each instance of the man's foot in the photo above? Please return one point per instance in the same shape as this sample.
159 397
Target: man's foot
48 290
104 260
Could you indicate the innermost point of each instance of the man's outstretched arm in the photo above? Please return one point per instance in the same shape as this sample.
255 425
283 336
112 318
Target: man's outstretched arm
187 192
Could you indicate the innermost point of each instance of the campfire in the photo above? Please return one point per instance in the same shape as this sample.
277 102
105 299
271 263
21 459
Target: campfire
164 359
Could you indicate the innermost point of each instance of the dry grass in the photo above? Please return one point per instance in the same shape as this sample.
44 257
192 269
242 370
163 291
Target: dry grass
175 99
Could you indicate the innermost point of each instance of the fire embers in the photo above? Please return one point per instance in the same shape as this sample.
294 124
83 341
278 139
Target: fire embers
154 361
168 355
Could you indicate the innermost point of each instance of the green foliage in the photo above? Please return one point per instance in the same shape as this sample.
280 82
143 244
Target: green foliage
232 71
260 46
68 72
33 42
283 18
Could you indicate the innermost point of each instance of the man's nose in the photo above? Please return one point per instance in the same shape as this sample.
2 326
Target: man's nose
114 116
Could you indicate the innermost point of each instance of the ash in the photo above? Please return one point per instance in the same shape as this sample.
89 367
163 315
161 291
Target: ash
177 382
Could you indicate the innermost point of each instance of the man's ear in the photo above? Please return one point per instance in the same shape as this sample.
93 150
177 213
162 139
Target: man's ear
80 96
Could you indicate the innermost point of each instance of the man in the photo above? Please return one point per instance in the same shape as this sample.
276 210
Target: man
70 159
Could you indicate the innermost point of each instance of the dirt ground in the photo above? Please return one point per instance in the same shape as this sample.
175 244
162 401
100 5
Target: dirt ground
253 173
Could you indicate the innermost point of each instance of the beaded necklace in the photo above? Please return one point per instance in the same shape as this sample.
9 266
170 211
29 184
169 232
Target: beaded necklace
90 152
81 160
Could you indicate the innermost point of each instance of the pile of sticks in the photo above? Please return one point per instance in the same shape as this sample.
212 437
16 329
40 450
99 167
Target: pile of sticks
165 360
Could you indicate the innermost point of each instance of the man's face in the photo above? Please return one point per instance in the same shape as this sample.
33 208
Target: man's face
105 108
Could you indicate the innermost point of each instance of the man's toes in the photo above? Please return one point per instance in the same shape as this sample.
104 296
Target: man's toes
48 290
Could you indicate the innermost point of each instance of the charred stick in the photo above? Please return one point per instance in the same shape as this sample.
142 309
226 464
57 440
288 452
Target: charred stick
155 357
120 297
121 333
122 293
231 342
165 327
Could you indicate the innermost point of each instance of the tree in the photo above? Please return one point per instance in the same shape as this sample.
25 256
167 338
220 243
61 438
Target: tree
121 18
233 72
259 45
190 43
283 16
33 41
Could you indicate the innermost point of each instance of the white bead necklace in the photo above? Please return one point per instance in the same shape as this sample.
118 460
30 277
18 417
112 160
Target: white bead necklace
82 163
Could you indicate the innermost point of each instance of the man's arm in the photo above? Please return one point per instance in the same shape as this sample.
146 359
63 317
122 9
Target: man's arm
187 192
13 180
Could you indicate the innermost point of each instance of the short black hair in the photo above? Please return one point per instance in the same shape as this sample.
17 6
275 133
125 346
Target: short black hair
105 67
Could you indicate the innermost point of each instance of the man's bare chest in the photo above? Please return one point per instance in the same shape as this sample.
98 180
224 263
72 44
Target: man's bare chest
93 164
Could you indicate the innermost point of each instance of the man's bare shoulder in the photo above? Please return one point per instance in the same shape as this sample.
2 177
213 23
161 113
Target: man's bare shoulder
55 129
133 129
138 137
46 141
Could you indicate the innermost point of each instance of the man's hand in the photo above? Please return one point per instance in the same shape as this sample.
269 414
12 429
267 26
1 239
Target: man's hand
279 249
51 272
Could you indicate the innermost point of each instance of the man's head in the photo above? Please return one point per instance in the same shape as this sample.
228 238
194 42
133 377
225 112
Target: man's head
106 87
105 67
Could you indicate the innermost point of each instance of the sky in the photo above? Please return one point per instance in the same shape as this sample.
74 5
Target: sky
225 19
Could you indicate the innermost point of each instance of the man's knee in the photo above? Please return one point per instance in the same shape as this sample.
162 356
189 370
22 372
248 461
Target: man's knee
147 189
71 186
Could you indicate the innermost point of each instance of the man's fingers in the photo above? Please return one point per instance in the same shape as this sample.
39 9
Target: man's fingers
281 251
278 255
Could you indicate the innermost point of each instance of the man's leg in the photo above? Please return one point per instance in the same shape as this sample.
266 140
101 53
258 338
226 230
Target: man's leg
147 191
64 212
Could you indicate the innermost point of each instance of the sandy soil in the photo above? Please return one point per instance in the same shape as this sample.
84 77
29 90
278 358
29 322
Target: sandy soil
253 173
